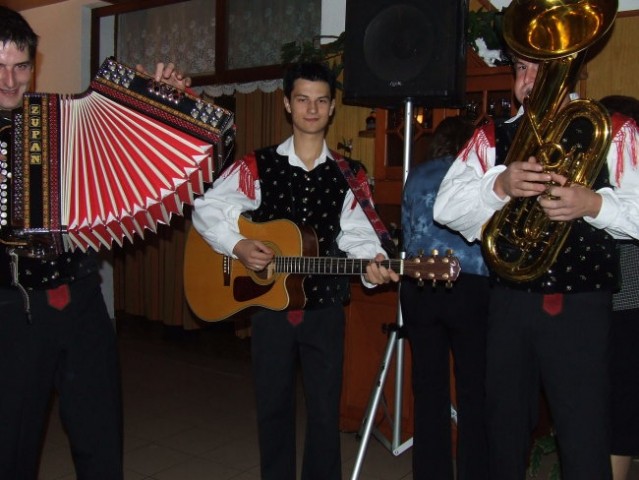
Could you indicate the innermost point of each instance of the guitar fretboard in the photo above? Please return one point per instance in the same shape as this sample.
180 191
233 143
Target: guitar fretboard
330 265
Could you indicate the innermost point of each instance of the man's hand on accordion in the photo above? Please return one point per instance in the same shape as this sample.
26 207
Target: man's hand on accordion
168 73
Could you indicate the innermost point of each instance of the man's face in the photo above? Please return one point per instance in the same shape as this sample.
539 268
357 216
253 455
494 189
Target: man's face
525 75
15 75
310 106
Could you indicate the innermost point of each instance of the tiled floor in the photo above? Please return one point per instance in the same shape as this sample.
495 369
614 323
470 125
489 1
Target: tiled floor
190 415
189 412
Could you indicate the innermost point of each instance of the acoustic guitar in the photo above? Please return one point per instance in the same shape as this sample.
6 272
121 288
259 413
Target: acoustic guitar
217 286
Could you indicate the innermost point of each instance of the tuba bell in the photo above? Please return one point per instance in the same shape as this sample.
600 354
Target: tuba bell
520 242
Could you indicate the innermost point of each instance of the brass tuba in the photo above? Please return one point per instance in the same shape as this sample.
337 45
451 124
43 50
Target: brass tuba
520 242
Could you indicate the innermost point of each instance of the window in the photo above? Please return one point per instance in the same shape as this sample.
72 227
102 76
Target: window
244 47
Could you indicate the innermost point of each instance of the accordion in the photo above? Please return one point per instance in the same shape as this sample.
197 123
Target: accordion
88 170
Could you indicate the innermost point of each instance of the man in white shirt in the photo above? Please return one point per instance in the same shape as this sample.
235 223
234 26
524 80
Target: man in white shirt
297 180
551 332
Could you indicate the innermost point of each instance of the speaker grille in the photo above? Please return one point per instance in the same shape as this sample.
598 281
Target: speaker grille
396 51
396 46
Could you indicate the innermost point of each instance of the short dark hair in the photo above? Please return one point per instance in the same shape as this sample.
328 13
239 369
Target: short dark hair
315 72
14 28
628 106
449 137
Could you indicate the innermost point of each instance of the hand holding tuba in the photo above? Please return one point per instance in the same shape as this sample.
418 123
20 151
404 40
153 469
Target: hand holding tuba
520 241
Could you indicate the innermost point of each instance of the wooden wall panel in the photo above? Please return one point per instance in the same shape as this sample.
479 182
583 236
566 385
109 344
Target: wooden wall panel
615 68
346 125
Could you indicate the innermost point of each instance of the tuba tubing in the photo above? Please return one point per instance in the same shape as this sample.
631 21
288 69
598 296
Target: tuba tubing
520 242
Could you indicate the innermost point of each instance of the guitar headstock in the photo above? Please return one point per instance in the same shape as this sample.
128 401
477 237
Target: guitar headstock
433 268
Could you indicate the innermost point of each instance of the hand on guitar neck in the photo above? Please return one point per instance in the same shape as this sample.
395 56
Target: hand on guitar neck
378 274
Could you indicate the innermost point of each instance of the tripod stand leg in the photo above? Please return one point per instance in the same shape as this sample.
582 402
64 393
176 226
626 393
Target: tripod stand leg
369 416
396 447
393 339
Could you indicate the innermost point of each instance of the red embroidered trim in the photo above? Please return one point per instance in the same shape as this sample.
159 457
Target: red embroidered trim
247 175
480 142
623 128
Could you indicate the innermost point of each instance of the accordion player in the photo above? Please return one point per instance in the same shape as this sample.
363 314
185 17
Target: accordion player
88 170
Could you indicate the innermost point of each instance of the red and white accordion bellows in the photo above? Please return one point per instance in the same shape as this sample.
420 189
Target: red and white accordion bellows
95 168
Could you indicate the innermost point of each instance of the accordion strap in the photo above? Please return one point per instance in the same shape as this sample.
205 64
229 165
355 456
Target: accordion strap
362 194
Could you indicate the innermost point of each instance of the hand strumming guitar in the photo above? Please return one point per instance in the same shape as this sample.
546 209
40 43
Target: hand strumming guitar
253 254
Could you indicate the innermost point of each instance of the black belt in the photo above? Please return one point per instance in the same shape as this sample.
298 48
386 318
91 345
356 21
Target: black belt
45 273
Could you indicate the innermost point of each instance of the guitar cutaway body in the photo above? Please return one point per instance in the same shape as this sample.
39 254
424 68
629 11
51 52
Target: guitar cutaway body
218 287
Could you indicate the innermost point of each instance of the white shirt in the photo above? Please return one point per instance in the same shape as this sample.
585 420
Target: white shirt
216 213
466 199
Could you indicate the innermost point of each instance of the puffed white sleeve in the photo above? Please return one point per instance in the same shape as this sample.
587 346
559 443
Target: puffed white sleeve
216 213
619 213
358 237
466 200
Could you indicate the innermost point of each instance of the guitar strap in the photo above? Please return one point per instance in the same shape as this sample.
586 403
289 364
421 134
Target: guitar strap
363 195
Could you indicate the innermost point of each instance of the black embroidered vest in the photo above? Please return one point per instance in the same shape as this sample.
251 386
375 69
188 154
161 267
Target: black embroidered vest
589 260
314 199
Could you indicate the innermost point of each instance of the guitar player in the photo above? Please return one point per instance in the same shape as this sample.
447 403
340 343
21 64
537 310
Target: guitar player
297 180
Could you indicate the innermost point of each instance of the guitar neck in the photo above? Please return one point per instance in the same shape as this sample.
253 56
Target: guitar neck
330 265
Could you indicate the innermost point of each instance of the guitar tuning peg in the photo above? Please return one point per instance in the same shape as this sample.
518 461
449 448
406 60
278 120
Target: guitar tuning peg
449 284
434 252
449 252
420 252
420 282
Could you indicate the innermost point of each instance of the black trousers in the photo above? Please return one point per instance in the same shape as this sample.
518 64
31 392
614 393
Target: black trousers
74 351
624 373
566 355
439 321
317 345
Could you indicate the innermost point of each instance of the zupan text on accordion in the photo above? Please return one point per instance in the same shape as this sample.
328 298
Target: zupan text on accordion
88 170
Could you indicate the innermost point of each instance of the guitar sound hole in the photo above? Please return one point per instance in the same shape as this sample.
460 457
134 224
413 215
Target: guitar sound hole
266 273
262 274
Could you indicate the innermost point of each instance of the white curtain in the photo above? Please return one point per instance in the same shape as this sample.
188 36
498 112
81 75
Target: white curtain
258 28
184 33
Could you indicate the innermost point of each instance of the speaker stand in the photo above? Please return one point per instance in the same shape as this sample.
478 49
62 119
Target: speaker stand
395 346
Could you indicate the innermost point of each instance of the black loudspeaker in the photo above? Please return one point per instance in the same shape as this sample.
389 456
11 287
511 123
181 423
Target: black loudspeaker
410 49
